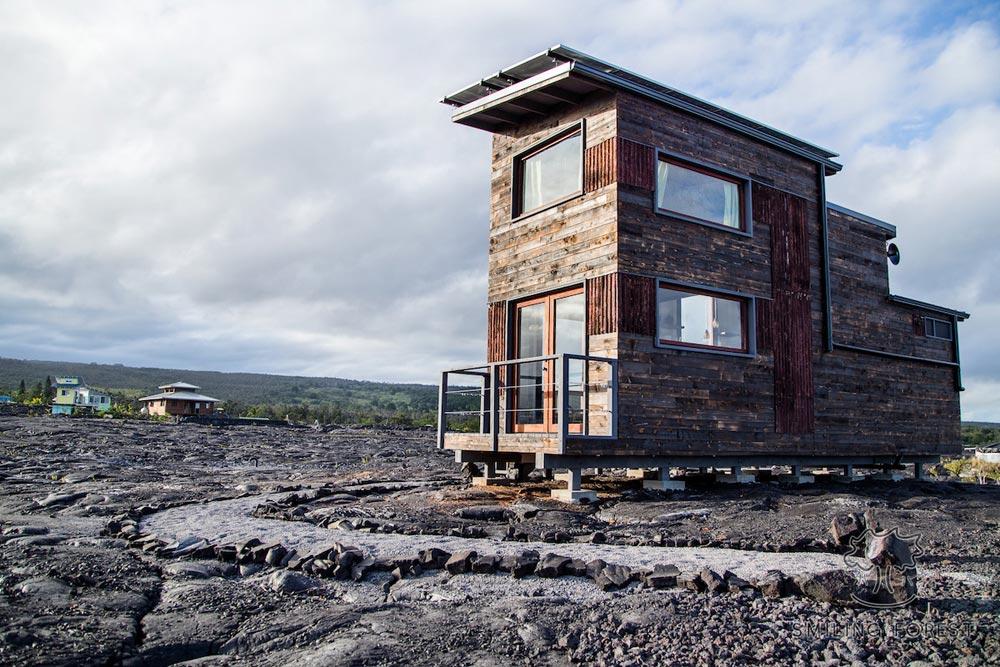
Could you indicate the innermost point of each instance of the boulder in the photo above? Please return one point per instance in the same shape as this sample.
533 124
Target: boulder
284 581
775 584
691 581
460 562
846 527
714 583
484 513
594 568
521 564
735 582
576 568
361 569
485 564
613 577
892 576
662 576
433 559
275 555
552 565
829 586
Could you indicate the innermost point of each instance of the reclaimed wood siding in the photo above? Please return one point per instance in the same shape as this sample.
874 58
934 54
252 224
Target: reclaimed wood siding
791 319
600 165
565 244
621 302
496 332
863 315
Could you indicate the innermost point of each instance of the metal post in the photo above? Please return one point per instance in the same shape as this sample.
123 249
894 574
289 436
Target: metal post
495 406
442 409
484 423
562 386
613 399
585 396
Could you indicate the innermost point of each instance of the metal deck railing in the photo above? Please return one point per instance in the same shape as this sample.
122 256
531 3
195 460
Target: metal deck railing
580 400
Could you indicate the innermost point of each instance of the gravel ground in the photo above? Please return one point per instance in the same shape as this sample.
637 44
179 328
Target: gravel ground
70 595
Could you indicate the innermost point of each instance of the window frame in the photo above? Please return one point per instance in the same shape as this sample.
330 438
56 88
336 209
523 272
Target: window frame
517 169
934 322
748 319
743 188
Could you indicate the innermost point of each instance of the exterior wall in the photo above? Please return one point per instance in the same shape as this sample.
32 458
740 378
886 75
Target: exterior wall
178 408
790 397
565 244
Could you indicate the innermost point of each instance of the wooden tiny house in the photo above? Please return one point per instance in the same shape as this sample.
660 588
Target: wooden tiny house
668 286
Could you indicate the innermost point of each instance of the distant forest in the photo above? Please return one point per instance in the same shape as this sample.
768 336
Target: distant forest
304 399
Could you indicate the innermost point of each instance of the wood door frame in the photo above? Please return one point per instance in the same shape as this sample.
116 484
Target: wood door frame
548 407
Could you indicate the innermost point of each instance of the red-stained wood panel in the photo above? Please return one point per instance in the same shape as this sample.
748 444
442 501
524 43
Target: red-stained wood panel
599 165
637 299
789 320
602 304
765 322
635 164
496 332
621 160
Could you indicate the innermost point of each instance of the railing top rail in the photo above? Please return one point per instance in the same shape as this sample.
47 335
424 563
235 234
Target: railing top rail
528 360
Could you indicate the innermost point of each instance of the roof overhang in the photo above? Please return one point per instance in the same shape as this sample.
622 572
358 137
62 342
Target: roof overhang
906 301
560 76
889 228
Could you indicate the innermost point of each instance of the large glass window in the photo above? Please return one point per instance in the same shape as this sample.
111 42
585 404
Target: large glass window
702 320
549 173
698 194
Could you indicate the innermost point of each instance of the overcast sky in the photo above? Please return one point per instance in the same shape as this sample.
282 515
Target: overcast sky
272 186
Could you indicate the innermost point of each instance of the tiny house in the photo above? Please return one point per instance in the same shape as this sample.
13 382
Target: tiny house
669 287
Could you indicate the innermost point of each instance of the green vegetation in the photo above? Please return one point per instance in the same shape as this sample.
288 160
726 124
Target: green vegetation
981 471
980 434
304 399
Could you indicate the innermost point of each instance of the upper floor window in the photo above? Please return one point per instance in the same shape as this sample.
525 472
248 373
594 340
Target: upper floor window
549 172
699 194
935 328
698 319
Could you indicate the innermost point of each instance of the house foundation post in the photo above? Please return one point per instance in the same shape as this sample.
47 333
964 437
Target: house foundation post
662 482
919 471
573 493
797 477
736 476
848 476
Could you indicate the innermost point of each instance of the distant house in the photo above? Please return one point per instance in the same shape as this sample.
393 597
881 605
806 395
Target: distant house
4 398
72 395
179 399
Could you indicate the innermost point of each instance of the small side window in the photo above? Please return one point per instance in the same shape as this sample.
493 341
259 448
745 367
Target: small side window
940 329
549 172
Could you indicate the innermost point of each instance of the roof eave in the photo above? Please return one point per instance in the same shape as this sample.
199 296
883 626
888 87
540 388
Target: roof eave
478 112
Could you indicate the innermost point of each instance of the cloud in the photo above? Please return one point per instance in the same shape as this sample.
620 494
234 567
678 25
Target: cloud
276 189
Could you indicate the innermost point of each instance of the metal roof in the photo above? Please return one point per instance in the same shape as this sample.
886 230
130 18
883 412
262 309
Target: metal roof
179 396
864 218
178 385
958 314
561 75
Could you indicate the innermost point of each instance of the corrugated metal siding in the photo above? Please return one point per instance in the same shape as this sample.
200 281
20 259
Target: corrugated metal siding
790 316
496 332
602 304
599 165
635 164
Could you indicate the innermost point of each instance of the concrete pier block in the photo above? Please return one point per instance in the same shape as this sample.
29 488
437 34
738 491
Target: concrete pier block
573 493
574 497
796 479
